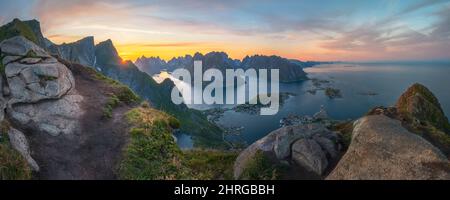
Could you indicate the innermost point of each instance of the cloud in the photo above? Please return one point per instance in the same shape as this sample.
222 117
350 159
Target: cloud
392 39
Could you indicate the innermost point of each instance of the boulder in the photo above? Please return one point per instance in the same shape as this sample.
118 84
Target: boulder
286 136
34 77
314 147
59 116
20 143
308 153
382 149
20 46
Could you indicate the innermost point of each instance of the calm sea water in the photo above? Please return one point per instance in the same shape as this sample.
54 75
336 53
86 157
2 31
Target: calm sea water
355 81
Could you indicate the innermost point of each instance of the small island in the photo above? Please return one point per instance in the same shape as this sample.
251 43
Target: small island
333 93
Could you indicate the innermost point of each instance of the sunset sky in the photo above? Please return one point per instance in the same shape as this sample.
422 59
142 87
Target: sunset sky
352 30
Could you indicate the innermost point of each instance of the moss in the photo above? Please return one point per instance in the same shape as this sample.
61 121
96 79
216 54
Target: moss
12 165
260 167
210 164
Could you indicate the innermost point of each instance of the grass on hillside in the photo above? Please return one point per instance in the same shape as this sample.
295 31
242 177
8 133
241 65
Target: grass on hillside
12 165
261 167
152 152
210 164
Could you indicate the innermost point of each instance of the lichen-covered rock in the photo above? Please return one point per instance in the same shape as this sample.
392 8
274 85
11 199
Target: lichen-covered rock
20 143
419 103
382 149
60 116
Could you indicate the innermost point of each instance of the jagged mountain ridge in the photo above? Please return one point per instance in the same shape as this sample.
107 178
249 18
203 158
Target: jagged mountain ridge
290 70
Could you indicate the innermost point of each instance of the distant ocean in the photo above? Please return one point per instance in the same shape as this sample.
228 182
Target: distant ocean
363 86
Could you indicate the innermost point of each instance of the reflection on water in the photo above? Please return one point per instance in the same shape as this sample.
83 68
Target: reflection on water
384 82
184 141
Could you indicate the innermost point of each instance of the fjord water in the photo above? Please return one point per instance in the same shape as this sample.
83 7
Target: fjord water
363 86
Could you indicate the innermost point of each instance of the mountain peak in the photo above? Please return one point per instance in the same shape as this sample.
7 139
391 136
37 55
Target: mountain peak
106 53
420 103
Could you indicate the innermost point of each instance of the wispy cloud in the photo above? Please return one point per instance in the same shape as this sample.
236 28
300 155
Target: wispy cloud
337 30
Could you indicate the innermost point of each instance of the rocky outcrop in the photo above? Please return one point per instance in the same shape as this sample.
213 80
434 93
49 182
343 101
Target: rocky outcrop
81 51
311 146
39 91
34 77
382 149
419 103
51 117
20 143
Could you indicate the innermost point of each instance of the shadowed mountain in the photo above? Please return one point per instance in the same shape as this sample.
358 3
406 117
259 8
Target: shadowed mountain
81 51
290 70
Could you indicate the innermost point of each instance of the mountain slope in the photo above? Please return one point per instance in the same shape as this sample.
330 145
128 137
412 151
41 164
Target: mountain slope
192 121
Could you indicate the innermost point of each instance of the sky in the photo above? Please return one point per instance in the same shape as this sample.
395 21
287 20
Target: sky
326 30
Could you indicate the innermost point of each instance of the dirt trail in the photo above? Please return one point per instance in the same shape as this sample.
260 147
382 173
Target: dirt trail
94 151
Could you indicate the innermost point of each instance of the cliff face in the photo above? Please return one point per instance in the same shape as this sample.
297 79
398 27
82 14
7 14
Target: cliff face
81 51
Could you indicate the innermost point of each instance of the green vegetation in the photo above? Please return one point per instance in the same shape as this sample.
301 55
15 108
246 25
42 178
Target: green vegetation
16 28
260 167
421 112
204 133
344 130
121 93
434 135
152 152
210 164
419 103
12 165
112 103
